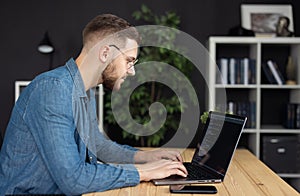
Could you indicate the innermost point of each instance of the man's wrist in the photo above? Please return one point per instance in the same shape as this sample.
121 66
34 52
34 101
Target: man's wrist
140 157
141 173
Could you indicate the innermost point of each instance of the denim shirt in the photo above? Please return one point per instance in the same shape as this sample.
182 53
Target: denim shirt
45 145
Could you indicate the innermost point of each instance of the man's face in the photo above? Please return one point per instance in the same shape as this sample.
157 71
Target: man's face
121 67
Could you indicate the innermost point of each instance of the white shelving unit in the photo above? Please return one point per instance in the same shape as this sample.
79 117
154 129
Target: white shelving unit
261 92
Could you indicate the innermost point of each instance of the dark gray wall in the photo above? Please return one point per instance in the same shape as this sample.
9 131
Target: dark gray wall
23 24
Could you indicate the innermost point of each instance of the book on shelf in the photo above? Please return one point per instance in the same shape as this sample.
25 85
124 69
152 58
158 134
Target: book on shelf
268 74
297 116
236 71
221 72
242 108
276 72
248 109
252 71
232 70
245 67
224 70
292 116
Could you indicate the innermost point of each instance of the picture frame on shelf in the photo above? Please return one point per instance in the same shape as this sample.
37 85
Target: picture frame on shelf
263 18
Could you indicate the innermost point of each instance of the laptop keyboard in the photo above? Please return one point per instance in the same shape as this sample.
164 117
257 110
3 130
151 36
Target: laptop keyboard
196 172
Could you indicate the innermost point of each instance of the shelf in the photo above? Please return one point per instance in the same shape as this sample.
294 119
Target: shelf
262 86
276 128
280 131
238 86
269 86
254 40
249 130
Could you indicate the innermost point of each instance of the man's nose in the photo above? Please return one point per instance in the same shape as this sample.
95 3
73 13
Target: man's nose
131 71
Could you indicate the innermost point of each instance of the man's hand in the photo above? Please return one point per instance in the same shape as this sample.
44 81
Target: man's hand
160 169
155 155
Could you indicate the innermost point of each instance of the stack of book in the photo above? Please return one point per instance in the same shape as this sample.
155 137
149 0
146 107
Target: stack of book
292 116
236 71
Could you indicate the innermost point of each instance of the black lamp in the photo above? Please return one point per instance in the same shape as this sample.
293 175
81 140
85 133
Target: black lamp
45 45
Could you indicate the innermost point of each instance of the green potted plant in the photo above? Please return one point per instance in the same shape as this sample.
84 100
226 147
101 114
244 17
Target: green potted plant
204 117
150 92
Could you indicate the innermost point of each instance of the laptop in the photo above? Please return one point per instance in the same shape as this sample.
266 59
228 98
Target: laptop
214 151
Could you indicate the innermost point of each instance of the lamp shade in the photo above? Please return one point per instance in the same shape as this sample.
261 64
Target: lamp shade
45 45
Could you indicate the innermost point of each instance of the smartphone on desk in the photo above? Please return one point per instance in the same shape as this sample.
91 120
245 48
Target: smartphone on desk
203 189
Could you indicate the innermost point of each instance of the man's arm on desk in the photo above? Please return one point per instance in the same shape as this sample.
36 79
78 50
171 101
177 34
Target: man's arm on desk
155 155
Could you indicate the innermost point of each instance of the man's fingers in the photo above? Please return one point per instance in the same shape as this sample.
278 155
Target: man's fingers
161 169
183 169
179 157
180 173
172 155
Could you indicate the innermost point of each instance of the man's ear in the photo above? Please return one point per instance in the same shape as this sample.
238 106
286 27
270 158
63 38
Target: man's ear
104 54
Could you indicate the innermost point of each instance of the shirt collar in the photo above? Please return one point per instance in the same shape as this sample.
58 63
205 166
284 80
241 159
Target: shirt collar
76 76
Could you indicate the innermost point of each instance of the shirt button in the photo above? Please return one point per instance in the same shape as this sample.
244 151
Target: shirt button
91 158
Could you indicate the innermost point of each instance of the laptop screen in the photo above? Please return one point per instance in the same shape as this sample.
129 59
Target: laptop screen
220 138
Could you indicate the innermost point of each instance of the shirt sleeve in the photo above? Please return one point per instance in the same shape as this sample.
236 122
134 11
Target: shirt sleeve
121 153
50 117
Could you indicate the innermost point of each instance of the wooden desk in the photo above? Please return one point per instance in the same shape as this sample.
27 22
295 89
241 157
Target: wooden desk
246 176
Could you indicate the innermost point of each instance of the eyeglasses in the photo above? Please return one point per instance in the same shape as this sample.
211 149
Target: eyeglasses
131 61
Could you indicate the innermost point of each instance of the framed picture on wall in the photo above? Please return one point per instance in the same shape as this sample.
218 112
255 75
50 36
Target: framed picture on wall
263 19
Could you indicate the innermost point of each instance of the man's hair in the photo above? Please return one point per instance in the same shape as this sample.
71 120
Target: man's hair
105 25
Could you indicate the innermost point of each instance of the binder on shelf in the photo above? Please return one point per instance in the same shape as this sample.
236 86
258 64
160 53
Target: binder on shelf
297 116
238 74
292 116
231 107
232 63
224 70
268 74
252 114
245 65
289 116
252 71
276 72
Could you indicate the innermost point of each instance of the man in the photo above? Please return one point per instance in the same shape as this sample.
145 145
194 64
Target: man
52 142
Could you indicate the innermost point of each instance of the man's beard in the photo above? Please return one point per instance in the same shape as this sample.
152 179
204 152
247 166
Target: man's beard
108 76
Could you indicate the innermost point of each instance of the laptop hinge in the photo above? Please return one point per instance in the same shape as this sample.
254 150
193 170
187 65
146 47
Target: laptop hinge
210 170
